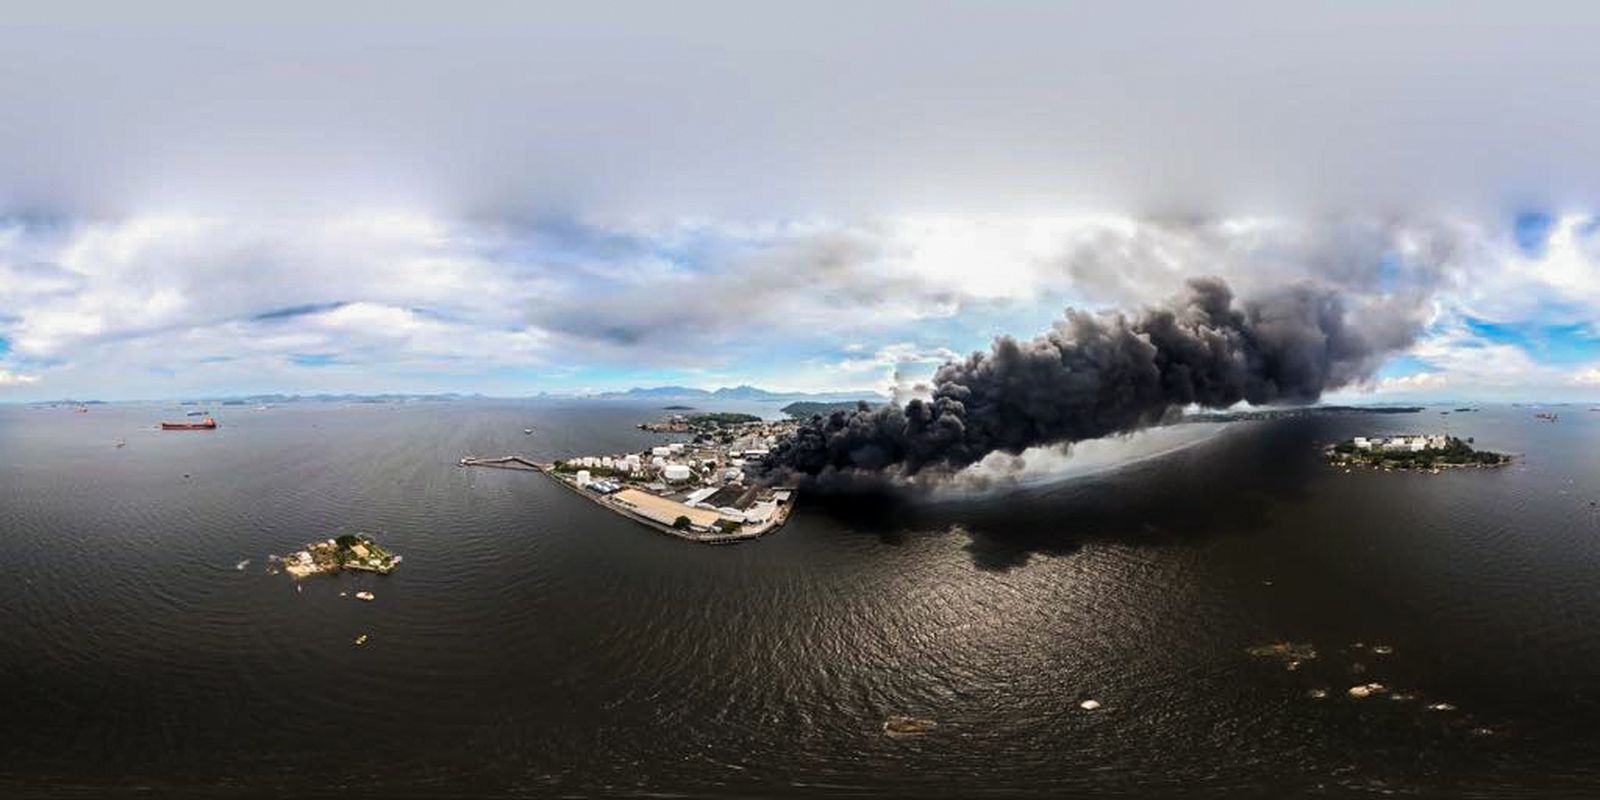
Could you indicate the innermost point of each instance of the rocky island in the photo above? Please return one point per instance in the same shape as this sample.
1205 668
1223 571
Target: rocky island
356 552
1412 451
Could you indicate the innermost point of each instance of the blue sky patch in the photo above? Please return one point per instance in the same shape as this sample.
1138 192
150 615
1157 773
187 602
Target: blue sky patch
1403 366
1532 232
1550 344
313 359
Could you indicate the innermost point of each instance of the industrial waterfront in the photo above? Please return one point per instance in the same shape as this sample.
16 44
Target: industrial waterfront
704 490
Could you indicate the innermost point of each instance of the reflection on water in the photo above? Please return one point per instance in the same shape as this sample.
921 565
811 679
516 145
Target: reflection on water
533 644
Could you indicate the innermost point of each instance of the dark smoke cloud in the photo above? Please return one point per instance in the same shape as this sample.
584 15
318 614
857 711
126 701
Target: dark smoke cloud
1098 374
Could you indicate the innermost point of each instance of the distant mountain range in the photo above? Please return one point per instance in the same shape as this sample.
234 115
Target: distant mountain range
670 393
742 392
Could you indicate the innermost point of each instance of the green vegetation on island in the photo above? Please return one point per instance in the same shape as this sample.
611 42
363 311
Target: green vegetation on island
806 409
347 552
1412 452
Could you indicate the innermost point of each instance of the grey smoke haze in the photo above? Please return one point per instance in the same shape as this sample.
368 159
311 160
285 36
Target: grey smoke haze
1098 374
761 110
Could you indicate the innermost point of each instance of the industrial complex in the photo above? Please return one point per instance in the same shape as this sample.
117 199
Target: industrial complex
694 490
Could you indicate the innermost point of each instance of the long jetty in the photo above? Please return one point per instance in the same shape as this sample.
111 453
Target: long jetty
504 462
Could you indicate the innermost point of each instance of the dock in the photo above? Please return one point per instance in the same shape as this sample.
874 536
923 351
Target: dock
619 503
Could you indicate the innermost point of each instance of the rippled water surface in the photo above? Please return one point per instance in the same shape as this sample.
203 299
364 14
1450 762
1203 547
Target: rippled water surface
534 644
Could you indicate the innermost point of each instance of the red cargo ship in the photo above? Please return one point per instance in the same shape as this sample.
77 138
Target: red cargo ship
203 425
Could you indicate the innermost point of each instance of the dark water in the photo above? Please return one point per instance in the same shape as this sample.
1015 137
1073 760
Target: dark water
533 644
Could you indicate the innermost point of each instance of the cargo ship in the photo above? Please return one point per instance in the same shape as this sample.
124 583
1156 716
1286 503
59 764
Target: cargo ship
203 425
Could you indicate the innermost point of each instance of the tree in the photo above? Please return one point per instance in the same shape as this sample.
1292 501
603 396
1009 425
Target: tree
682 523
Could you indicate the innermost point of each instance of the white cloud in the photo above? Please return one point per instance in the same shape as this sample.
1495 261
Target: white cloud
1588 376
1419 382
410 300
8 378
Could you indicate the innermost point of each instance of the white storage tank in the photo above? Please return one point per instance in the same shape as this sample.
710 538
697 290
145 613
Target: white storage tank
675 472
662 451
583 477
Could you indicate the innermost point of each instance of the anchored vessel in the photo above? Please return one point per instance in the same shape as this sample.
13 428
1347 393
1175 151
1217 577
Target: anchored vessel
203 425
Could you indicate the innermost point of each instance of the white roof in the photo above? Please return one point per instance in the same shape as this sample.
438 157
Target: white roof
698 495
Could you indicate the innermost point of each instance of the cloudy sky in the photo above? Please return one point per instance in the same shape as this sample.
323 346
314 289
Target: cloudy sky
819 196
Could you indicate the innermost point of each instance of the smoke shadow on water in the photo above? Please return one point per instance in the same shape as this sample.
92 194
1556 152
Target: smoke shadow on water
1227 485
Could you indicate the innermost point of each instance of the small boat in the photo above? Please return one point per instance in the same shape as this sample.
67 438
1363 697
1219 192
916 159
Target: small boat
82 409
194 413
527 431
203 425
900 725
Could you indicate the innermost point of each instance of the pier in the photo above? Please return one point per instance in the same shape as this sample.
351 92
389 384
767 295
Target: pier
505 462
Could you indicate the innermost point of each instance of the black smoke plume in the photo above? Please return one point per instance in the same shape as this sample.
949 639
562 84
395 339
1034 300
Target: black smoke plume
1093 375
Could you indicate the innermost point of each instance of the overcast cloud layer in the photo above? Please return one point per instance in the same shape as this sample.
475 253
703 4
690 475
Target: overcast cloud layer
816 197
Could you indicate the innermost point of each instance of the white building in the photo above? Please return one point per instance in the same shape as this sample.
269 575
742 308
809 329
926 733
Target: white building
699 495
1362 443
661 451
675 472
760 512
584 478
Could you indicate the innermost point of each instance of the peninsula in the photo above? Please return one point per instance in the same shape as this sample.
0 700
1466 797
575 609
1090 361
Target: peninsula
693 490
1412 451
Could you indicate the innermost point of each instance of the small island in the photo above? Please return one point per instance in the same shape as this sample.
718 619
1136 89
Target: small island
806 409
700 424
1412 452
357 552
